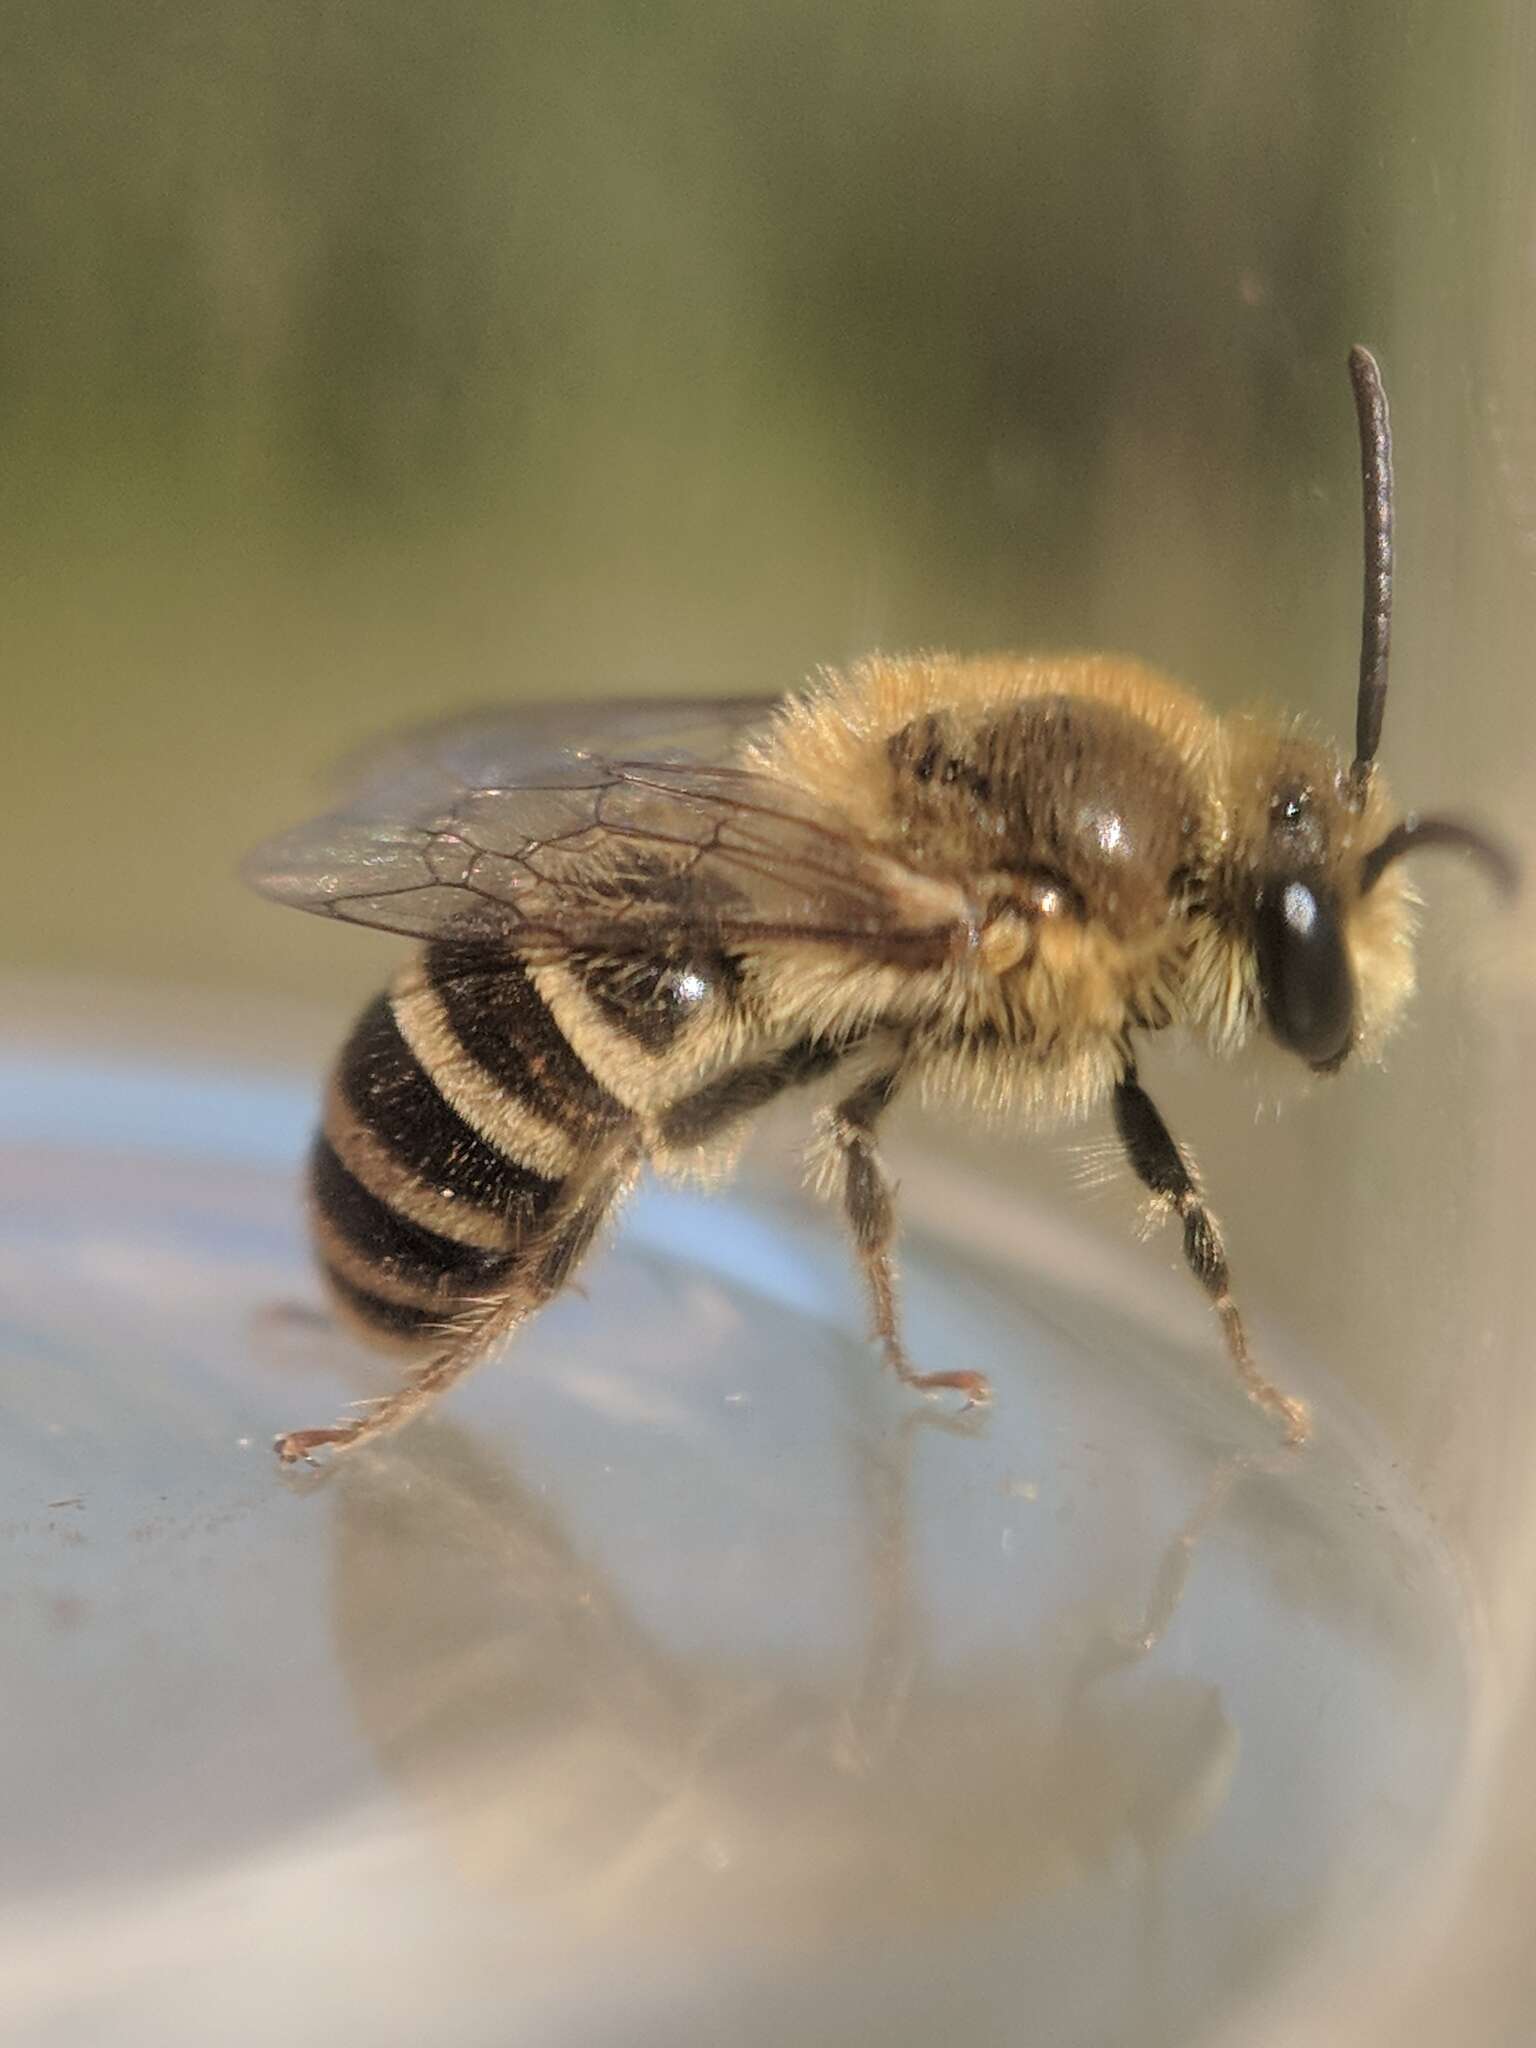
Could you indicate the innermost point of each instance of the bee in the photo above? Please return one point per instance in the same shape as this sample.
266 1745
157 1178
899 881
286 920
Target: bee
980 878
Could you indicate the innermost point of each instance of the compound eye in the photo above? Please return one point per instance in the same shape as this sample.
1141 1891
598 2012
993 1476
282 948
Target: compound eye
1304 977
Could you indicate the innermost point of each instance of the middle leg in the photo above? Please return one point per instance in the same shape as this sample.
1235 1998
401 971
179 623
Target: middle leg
871 1213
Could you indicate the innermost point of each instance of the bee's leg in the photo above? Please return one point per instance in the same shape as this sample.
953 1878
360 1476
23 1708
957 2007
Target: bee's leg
476 1329
1163 1168
871 1217
463 1345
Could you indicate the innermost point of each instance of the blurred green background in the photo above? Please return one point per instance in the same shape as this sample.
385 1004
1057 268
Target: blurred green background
362 361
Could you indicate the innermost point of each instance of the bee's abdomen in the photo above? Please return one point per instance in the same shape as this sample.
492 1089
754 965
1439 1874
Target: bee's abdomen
364 1236
458 1148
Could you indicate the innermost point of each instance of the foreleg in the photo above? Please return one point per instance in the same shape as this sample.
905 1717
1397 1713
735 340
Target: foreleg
1163 1168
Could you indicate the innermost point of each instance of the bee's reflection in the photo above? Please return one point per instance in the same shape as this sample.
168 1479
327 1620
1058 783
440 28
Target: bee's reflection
562 1750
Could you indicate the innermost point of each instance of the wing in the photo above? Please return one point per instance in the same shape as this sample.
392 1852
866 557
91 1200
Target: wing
532 828
497 744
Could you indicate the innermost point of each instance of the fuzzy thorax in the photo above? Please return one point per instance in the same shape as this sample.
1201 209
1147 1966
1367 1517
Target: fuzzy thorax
1113 836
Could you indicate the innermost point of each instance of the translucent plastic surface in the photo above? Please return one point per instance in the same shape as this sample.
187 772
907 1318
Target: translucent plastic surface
679 1679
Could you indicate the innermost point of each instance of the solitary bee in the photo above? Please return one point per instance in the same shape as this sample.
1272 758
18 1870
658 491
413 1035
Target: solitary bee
983 877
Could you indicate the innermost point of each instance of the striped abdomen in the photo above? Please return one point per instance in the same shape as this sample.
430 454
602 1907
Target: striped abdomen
485 1113
467 1153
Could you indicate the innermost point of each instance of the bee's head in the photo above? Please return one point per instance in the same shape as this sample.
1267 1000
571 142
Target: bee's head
1312 881
1312 892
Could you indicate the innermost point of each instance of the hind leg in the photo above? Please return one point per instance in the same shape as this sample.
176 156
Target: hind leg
472 1332
462 1348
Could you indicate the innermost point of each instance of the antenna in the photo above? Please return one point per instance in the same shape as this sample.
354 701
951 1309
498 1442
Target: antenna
1376 619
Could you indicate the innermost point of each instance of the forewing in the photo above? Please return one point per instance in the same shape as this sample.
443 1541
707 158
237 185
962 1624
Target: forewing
455 839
